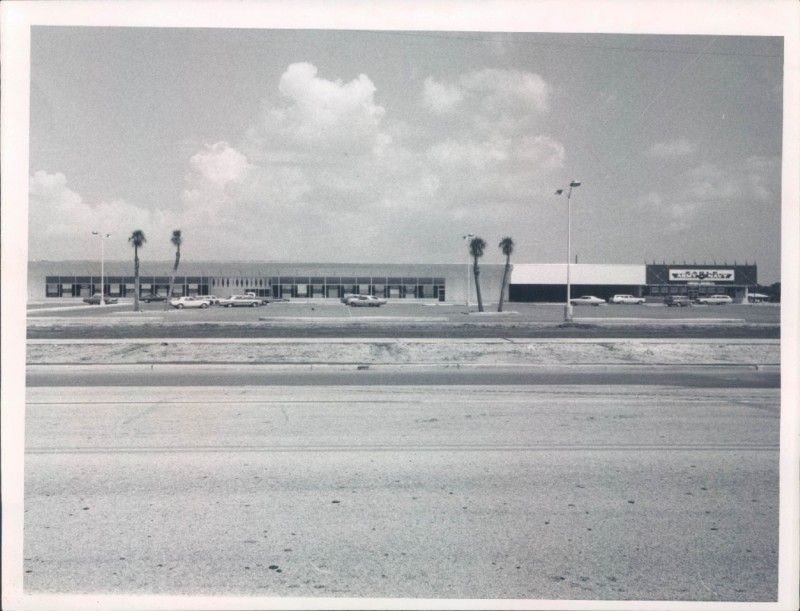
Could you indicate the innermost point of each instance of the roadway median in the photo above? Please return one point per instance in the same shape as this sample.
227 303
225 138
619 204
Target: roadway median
409 352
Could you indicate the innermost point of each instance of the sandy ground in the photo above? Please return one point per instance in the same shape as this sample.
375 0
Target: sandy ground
406 351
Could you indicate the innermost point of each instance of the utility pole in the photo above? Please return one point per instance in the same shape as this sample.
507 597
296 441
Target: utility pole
102 237
568 304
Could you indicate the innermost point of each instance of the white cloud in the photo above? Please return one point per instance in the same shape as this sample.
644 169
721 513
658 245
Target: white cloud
324 160
708 193
321 117
508 89
490 99
220 164
440 97
60 217
672 148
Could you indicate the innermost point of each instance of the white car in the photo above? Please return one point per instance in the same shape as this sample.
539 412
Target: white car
588 300
240 301
715 300
363 301
627 299
213 299
189 302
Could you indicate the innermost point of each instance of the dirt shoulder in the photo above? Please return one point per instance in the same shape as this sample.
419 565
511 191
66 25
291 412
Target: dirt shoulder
408 351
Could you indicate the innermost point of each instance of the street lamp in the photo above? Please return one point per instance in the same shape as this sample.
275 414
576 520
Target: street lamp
469 236
568 305
103 237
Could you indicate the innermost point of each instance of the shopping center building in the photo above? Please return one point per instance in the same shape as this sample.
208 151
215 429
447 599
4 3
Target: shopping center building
529 282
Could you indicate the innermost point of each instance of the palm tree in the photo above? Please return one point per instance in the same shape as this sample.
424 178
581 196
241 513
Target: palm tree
476 248
507 246
176 240
136 240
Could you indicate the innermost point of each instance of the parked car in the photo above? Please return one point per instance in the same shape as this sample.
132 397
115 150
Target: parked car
361 301
678 301
587 300
715 300
627 299
347 296
236 301
189 302
757 298
261 300
153 297
212 299
95 300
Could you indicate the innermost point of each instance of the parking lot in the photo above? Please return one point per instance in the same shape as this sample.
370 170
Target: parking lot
411 310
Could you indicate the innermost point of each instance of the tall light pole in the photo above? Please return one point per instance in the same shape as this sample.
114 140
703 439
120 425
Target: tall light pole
568 304
469 236
103 237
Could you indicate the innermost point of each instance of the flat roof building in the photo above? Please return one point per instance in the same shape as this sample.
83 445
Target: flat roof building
529 282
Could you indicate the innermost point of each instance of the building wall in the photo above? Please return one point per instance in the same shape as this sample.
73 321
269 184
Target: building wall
580 273
244 276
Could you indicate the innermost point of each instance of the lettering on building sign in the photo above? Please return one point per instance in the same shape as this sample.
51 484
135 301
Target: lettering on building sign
696 275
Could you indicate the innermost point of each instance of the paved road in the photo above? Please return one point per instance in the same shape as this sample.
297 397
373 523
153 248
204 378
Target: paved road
612 492
320 375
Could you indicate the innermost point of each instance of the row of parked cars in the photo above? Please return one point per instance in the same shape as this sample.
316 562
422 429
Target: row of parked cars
196 301
248 300
669 300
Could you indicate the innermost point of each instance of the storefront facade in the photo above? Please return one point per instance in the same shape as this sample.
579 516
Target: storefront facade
432 282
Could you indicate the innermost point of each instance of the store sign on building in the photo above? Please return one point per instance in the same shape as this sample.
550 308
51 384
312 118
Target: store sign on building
701 275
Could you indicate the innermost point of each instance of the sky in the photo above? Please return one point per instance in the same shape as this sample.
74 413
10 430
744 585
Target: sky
343 146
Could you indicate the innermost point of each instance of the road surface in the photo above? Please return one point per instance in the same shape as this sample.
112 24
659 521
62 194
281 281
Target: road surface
155 375
500 491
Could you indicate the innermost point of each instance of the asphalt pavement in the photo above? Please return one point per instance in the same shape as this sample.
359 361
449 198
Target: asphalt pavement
189 375
459 491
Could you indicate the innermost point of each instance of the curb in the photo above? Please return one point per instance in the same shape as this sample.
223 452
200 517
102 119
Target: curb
350 366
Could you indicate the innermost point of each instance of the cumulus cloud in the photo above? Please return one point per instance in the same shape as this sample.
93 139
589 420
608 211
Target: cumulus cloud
440 97
220 164
503 90
672 148
709 192
60 217
526 153
321 116
324 160
491 95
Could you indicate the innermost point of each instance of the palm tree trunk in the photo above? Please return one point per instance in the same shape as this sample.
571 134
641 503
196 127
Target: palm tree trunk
172 277
503 285
477 272
135 279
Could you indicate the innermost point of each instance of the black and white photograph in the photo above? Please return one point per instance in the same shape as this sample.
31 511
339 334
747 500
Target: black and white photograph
402 305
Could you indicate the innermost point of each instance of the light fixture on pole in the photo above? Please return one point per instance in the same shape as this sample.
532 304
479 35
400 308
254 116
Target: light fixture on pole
102 237
568 304
468 236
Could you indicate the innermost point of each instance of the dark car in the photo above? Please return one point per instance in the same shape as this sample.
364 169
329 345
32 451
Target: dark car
95 300
149 298
679 301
